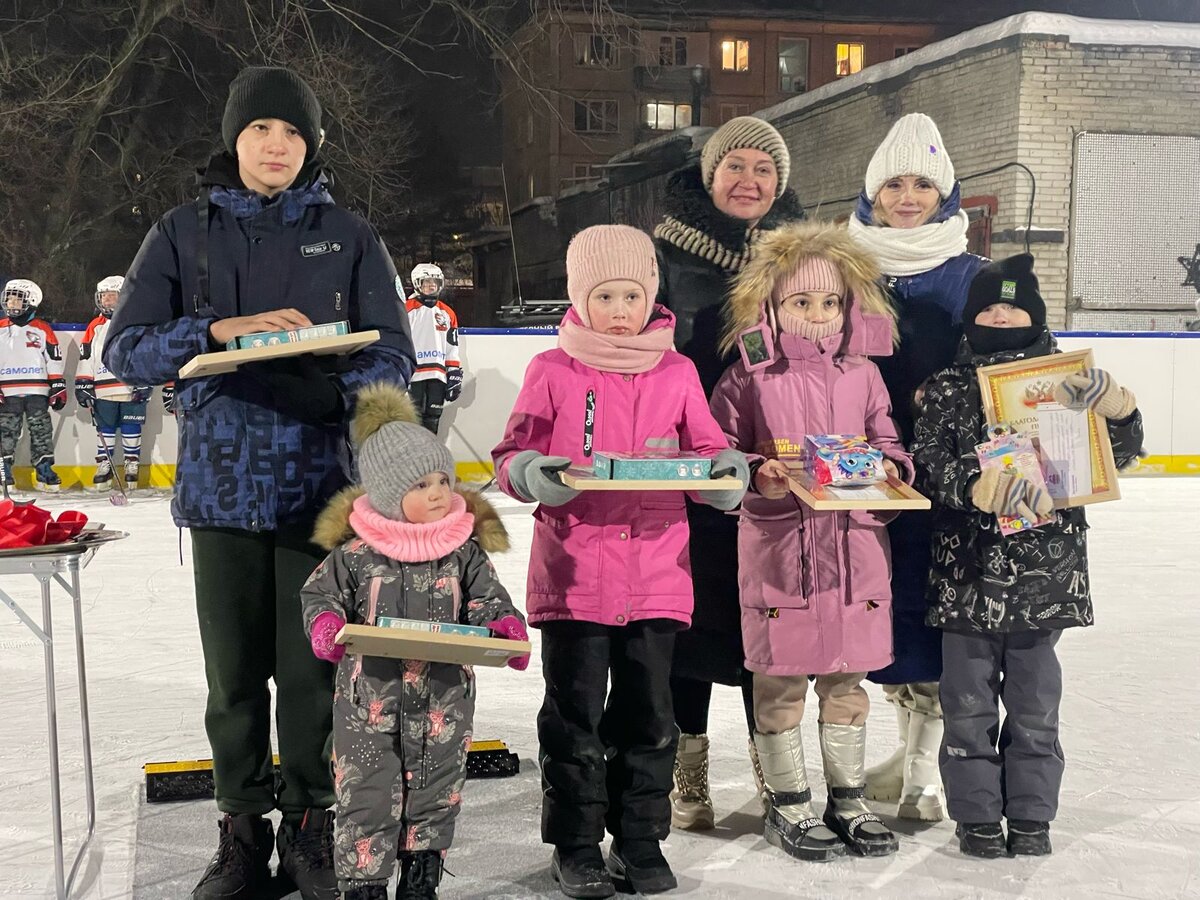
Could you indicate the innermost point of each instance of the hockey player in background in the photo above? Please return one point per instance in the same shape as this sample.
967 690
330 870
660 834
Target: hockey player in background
439 376
114 406
31 382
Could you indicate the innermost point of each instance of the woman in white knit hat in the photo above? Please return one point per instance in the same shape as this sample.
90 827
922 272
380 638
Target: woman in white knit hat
714 212
909 217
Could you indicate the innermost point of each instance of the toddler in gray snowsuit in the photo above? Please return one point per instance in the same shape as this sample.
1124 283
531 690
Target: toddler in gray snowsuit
405 545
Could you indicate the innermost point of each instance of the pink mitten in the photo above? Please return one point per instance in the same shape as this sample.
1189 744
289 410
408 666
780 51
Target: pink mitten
324 629
514 629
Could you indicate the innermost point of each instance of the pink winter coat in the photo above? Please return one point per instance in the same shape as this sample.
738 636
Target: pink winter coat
607 557
815 586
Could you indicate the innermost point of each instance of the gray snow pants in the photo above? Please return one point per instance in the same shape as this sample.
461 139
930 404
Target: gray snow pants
991 770
36 410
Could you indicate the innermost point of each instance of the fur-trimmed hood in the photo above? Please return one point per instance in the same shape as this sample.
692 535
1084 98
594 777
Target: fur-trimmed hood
332 528
870 318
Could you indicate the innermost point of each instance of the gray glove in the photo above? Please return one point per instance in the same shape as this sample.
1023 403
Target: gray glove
535 477
727 462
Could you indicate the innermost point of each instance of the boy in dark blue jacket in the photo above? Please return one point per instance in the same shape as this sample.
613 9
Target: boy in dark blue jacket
261 450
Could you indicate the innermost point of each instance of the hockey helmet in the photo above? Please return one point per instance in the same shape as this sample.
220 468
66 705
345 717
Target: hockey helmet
21 296
110 285
424 272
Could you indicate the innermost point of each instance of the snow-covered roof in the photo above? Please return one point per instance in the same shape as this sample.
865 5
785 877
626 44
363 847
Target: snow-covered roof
1072 29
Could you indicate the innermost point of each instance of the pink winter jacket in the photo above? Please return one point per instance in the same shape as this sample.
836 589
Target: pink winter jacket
607 557
815 586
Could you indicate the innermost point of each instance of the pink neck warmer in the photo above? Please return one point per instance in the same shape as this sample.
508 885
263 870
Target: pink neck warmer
790 324
409 542
610 353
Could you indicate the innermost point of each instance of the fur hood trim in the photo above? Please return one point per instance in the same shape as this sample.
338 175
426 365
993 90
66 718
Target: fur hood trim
332 528
377 405
779 252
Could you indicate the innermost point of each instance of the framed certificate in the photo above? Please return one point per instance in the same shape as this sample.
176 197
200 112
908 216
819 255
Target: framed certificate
1072 445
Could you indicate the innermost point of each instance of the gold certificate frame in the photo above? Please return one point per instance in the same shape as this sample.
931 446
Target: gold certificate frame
1021 394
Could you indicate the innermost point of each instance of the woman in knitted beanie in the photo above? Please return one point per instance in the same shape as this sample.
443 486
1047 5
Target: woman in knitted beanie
910 220
714 212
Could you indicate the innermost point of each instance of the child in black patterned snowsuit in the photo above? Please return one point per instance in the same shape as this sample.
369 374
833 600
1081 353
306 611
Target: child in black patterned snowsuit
1003 601
403 545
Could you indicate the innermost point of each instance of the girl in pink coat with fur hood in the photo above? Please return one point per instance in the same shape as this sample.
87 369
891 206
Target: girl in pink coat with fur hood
609 575
815 586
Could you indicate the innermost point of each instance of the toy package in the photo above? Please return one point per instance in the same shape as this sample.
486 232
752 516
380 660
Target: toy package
651 465
433 627
271 338
1008 449
843 460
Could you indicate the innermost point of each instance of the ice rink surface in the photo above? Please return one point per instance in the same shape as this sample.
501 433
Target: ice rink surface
1129 824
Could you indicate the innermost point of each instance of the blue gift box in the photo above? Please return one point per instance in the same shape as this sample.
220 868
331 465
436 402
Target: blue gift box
651 466
271 338
434 627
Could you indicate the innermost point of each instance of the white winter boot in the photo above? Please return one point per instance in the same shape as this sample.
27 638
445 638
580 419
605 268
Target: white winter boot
886 780
922 796
844 751
791 824
691 805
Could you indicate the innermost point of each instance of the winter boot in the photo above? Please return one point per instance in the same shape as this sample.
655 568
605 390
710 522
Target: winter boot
641 866
6 462
759 787
844 751
691 806
886 780
922 796
791 824
306 855
102 480
983 840
365 892
131 473
1028 838
420 874
580 872
45 478
240 870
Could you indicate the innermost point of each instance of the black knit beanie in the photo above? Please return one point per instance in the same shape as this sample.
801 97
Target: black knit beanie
1009 281
271 92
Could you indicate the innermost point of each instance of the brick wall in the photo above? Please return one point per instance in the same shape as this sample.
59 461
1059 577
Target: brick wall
1020 100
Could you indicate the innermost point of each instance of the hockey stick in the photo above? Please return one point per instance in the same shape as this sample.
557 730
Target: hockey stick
123 498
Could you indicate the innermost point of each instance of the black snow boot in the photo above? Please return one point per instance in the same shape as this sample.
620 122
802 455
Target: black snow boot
306 855
580 872
365 892
641 865
1028 838
984 840
420 874
241 869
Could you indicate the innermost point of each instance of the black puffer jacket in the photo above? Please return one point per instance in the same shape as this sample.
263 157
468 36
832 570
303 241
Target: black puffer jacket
981 581
700 250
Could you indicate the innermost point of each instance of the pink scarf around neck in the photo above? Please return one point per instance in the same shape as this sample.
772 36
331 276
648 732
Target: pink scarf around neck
630 354
410 542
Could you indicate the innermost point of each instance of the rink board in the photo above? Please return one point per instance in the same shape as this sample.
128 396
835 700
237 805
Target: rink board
401 643
228 360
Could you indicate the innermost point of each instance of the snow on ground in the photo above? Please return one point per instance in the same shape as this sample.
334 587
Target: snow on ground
1130 818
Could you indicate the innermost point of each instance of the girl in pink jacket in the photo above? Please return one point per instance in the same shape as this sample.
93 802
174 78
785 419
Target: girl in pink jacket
609 578
815 586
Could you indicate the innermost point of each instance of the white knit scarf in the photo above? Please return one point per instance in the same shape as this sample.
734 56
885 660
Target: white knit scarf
911 251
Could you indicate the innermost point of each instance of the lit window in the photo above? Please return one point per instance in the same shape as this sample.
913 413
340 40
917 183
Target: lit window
595 50
596 116
793 65
668 116
735 56
849 59
672 50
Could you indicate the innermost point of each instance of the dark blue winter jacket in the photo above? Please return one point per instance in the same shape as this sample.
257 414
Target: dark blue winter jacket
242 464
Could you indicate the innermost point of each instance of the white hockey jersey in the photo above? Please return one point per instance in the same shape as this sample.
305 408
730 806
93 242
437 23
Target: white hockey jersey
29 358
435 339
91 364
